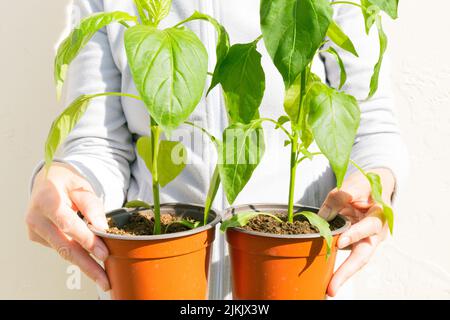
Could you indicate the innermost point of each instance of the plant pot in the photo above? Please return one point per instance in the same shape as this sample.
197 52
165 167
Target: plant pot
271 267
171 266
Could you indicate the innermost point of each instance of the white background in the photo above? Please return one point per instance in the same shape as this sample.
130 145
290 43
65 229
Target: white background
415 264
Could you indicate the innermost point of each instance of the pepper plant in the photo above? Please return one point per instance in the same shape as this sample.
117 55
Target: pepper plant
294 32
169 68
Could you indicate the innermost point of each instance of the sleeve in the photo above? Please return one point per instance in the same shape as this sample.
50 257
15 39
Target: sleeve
100 147
378 143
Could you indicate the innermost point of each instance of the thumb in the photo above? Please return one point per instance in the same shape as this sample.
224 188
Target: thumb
90 206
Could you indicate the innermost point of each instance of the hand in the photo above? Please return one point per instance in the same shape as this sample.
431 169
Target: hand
53 221
369 227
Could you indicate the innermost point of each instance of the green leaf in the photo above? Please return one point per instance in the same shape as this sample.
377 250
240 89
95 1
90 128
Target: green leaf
188 224
337 35
292 99
79 37
370 13
322 225
171 161
338 58
144 150
238 220
63 125
243 218
157 9
293 30
239 155
282 120
334 118
223 44
171 158
243 82
388 6
297 114
376 72
169 68
377 191
137 204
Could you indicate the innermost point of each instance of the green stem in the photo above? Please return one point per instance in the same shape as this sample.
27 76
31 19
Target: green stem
294 150
212 192
308 156
257 39
346 2
188 19
203 130
126 25
292 176
141 12
358 167
215 180
279 126
116 94
155 132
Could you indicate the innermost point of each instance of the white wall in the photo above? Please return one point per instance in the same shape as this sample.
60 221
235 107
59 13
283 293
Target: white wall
415 264
28 32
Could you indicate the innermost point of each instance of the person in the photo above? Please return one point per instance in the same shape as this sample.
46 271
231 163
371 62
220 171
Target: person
98 169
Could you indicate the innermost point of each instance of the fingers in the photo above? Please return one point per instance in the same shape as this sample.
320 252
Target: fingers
33 236
360 256
352 214
91 207
371 225
336 201
68 222
71 251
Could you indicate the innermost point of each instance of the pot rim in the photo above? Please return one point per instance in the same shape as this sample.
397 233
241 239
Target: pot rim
298 208
168 236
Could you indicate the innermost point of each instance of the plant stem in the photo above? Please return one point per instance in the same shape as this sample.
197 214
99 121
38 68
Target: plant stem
141 12
116 94
294 149
346 2
203 130
212 192
279 126
155 132
257 39
358 167
309 156
293 172
126 25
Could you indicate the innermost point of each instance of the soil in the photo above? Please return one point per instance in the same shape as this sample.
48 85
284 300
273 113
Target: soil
141 224
301 225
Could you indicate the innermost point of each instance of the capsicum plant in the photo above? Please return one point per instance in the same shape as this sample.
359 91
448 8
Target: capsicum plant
169 68
294 32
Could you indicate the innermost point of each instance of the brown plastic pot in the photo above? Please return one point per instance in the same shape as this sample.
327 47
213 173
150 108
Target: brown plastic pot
171 266
274 267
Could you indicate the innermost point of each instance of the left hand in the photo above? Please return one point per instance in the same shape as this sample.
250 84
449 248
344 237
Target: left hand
369 227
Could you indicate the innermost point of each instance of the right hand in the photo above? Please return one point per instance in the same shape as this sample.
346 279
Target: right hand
53 221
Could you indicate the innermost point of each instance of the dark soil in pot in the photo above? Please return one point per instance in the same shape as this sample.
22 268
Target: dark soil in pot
301 225
141 224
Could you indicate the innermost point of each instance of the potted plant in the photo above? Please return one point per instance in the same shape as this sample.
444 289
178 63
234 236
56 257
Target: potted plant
288 251
160 251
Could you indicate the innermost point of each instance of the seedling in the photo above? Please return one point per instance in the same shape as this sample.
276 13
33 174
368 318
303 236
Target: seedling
169 68
294 32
